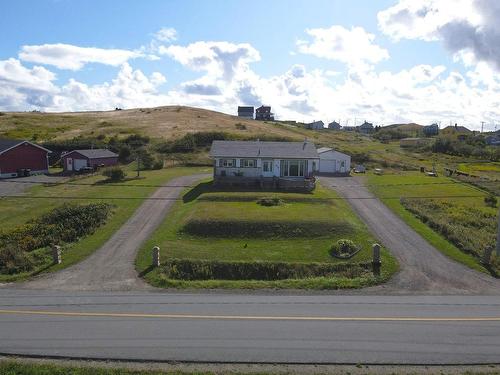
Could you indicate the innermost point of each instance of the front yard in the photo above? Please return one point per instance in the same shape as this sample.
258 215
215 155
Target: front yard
124 198
450 215
232 229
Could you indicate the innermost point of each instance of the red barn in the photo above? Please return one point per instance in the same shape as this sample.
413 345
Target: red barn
78 159
20 158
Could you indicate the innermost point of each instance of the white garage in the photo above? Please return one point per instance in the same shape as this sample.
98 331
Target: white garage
331 161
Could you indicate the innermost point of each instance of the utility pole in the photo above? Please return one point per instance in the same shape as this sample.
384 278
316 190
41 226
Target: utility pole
482 126
138 165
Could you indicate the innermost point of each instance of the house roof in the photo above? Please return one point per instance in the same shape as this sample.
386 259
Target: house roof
245 109
95 153
254 149
366 125
7 144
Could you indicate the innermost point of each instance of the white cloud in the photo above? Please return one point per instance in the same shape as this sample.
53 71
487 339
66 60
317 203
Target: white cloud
166 34
219 59
67 56
468 28
352 46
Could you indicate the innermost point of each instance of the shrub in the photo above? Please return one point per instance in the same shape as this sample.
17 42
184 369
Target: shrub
490 200
344 249
14 260
114 174
264 229
66 223
157 164
270 201
189 269
470 229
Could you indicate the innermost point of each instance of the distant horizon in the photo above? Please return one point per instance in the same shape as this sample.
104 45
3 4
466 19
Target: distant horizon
386 62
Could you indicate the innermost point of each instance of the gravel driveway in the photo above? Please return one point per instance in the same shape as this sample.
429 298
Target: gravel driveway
17 186
112 266
423 268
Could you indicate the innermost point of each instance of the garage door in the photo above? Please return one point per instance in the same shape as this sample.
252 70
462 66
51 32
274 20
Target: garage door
327 166
79 164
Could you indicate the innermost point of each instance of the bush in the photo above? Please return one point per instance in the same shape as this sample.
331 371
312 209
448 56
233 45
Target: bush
344 249
270 201
14 260
157 164
188 269
264 229
67 223
490 200
114 174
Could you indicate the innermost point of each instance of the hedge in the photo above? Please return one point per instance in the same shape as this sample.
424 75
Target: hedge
189 269
66 223
264 229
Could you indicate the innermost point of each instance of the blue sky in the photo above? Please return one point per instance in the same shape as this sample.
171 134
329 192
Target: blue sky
384 61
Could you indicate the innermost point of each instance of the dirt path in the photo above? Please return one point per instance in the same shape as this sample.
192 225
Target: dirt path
423 268
112 266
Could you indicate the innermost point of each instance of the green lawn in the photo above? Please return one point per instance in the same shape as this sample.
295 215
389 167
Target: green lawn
125 196
323 208
391 187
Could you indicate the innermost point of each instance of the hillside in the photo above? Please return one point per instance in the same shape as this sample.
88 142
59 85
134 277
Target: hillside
161 122
173 122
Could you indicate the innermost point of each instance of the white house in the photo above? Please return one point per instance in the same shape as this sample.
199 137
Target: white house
335 162
275 164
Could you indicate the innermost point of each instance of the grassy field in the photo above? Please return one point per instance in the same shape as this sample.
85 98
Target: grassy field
460 199
126 198
299 213
490 169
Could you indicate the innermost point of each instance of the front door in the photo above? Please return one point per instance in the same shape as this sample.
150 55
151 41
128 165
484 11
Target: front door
69 164
267 168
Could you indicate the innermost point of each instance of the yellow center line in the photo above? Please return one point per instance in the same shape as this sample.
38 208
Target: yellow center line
248 317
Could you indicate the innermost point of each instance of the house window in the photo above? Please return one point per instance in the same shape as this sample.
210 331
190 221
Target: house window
267 166
248 163
229 163
292 168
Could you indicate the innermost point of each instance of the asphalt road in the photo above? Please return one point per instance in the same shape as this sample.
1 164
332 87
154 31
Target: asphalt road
256 328
112 266
423 268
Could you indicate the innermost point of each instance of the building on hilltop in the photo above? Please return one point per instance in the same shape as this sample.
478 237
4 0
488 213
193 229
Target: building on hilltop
334 125
431 130
366 128
263 113
246 112
315 125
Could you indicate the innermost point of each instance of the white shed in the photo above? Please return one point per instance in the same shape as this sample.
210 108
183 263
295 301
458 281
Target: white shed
331 161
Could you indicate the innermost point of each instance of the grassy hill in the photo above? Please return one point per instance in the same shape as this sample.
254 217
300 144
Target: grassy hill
161 122
173 122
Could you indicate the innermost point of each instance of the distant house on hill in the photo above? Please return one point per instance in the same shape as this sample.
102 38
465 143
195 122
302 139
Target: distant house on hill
366 128
493 140
456 129
245 112
431 130
22 158
334 125
76 160
350 128
263 113
315 125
